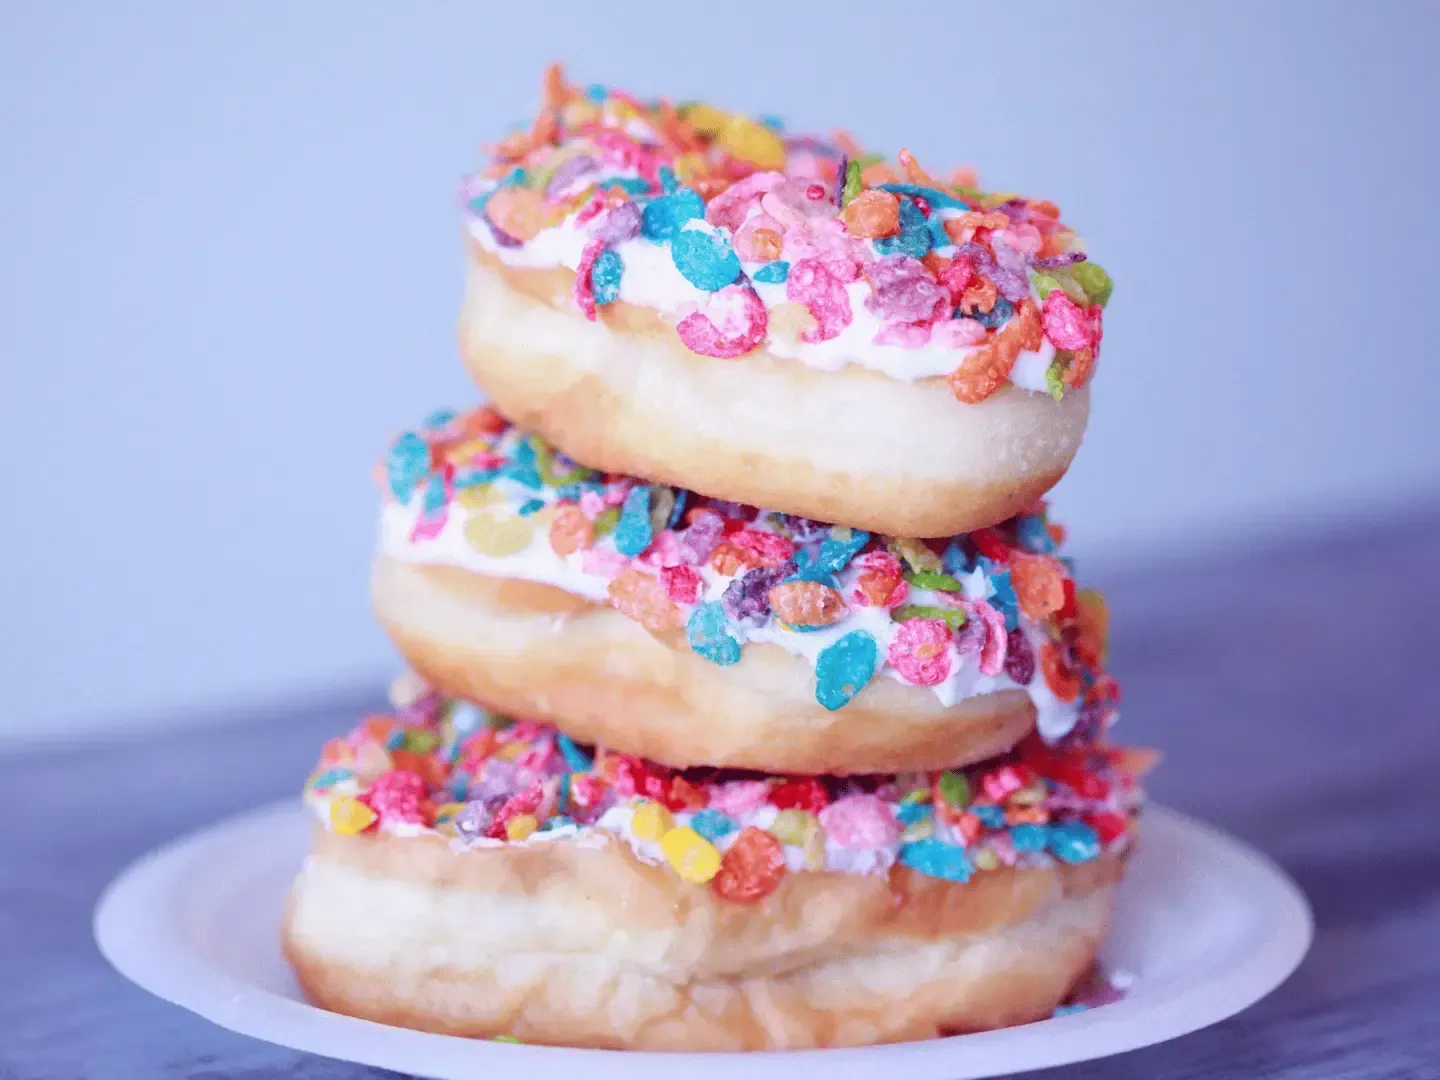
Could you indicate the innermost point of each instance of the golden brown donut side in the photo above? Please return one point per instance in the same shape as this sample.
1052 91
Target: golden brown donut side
587 946
852 446
529 649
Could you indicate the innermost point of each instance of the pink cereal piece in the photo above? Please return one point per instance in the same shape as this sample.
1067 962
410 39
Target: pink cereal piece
920 651
664 550
1025 238
537 755
396 796
769 548
860 821
602 563
764 247
739 797
591 503
616 490
992 654
789 203
905 335
904 291
729 208
824 297
742 324
1067 324
429 527
826 240
682 584
584 289
957 333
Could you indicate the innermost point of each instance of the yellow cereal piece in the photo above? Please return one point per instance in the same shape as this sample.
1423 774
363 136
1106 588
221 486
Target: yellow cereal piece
815 850
753 142
461 453
651 821
919 830
706 119
985 859
694 858
688 167
521 826
478 496
794 826
511 751
349 816
498 533
448 810
788 321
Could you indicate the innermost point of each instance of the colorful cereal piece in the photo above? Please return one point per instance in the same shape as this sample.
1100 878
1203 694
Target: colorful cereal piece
397 796
1094 280
915 554
518 212
751 142
499 533
651 821
741 327
694 858
663 218
913 238
751 869
772 273
1073 842
1019 657
712 824
1067 325
642 597
807 793
954 788
860 821
953 617
406 465
843 668
920 651
872 214
571 531
705 259
521 827
793 826
937 859
349 816
806 605
934 580
682 584
1002 597
823 295
747 598
1039 582
1029 838
938 200
633 532
576 760
839 548
708 633
1060 676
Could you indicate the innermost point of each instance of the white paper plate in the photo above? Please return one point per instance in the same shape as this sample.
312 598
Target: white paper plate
1206 925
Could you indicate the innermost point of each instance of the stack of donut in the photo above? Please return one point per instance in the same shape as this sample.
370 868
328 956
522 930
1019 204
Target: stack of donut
754 705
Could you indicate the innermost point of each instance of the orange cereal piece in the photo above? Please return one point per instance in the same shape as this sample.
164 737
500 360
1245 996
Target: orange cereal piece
766 245
877 586
728 559
982 372
378 728
752 869
518 212
881 172
806 603
1092 620
423 765
1059 675
979 295
872 214
1058 533
789 321
571 531
337 752
1080 368
636 594
914 173
1039 582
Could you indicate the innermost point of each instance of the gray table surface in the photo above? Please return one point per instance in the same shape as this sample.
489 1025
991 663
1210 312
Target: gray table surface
1289 685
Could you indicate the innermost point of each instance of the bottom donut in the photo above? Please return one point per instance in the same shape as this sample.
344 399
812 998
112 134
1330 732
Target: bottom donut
473 876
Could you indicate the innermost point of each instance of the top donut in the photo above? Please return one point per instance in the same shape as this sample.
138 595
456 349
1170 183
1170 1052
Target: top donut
705 299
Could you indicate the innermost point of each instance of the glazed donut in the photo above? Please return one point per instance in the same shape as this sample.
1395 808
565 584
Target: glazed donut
708 302
561 904
692 631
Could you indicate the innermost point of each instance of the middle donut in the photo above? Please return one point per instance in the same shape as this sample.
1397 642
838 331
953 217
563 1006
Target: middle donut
694 631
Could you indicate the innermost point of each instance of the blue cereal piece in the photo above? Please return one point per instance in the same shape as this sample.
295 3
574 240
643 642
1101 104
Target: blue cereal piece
663 218
843 668
807 568
708 633
938 859
434 500
705 259
939 238
938 200
681 498
633 531
990 815
1029 838
774 273
605 277
576 760
1068 1010
956 560
913 239
668 183
330 777
465 717
559 821
842 545
530 506
439 418
1003 598
406 465
523 474
631 185
1031 531
595 92
996 317
1074 842
712 824
909 813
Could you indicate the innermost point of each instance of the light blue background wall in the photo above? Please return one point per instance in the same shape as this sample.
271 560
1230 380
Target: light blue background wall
229 268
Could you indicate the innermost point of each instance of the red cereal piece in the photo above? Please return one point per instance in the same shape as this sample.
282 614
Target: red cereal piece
428 768
684 795
979 295
969 826
768 549
804 794
634 777
524 802
397 796
571 531
584 286
1109 827
1062 679
643 598
682 584
1039 582
880 582
752 867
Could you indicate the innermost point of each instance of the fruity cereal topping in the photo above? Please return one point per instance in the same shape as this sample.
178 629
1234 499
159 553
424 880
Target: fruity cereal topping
435 766
989 610
743 235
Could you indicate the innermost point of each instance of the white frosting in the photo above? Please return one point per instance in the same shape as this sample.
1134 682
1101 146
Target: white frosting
538 562
651 280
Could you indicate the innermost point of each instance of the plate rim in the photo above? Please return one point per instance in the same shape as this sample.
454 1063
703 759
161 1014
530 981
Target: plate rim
134 936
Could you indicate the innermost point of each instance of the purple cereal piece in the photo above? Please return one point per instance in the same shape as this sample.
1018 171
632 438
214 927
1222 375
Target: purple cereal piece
840 177
1055 262
474 818
747 598
496 779
903 290
570 170
619 224
1008 283
700 537
502 238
